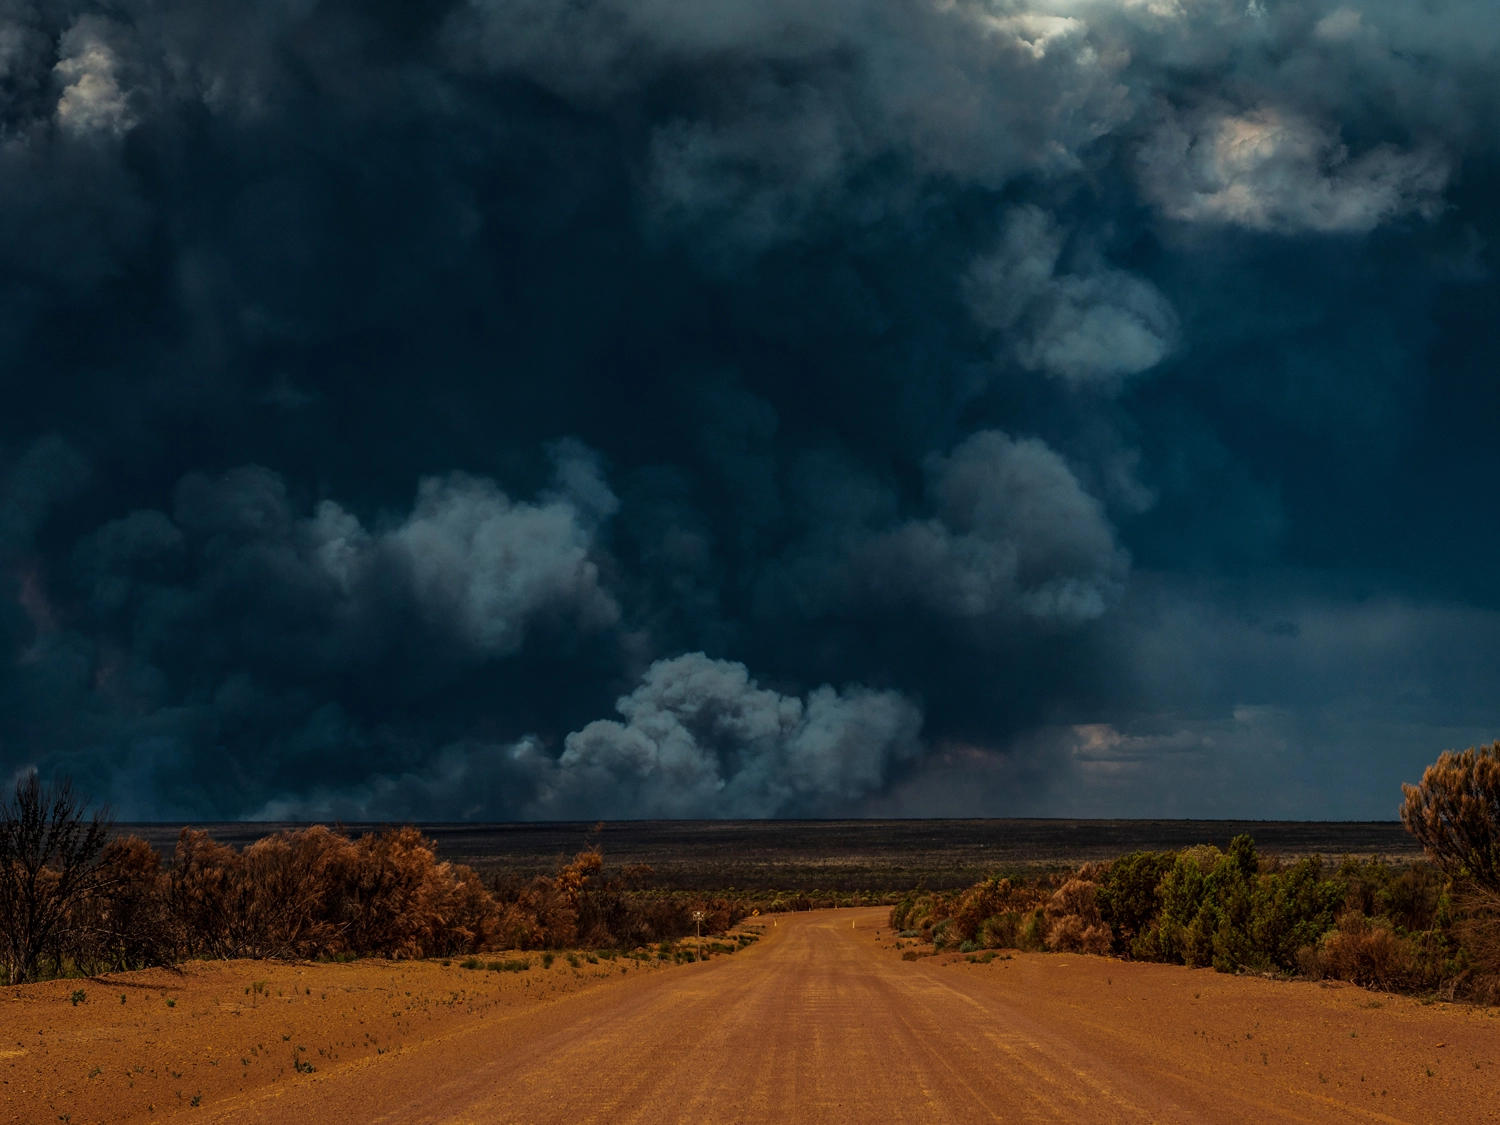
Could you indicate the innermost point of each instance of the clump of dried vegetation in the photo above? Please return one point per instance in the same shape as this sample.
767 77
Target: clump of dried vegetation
74 901
1429 926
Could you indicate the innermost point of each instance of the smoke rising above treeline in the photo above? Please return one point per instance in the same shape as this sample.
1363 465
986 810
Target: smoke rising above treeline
521 409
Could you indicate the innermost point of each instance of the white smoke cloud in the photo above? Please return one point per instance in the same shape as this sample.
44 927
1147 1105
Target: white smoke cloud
1270 170
1094 325
92 101
699 738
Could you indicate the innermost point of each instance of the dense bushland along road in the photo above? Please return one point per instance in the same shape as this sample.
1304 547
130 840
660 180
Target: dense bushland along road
823 1021
819 1022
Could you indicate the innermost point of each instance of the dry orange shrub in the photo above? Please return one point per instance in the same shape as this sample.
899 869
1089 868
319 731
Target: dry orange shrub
1454 812
1075 924
314 892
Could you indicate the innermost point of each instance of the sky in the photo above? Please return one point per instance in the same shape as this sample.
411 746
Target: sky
573 409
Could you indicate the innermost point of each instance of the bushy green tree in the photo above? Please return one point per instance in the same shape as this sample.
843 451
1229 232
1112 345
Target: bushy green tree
1221 910
1127 895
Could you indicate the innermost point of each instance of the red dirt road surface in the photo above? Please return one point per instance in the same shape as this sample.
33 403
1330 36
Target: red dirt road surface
822 1022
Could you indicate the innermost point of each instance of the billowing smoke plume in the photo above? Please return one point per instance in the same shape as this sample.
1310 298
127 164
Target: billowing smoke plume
1011 532
392 388
699 739
1092 325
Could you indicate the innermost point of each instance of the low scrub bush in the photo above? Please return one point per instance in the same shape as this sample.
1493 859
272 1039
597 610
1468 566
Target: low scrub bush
1370 952
74 902
1410 927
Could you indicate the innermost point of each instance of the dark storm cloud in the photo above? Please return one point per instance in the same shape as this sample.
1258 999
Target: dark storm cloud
907 407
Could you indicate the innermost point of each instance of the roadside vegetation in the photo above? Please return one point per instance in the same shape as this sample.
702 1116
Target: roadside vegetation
1428 926
76 901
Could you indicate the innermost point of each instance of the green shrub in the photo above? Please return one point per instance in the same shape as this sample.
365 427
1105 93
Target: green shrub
1127 895
1000 932
1219 909
1032 936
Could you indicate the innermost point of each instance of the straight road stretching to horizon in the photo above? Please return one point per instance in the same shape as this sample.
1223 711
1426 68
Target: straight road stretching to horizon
822 1021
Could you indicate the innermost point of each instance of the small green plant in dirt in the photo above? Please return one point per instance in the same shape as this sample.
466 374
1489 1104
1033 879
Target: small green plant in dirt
78 997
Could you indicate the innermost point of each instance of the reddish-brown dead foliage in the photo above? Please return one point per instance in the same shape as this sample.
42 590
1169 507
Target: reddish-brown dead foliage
1454 812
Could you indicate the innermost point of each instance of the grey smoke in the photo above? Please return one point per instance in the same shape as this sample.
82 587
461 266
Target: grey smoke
697 738
900 321
1092 324
475 565
1011 532
1272 170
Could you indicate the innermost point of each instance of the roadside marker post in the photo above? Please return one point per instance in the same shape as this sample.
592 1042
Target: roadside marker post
698 921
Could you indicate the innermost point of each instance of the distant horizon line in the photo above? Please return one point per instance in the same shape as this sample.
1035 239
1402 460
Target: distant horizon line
777 820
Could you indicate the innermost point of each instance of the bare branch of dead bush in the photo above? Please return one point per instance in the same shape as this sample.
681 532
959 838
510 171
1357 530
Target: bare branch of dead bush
50 852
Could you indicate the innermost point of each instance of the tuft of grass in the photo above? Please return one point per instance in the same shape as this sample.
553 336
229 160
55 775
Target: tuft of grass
171 1003
79 996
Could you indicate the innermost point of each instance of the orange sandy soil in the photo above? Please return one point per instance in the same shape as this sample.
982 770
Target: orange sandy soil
123 1054
821 1021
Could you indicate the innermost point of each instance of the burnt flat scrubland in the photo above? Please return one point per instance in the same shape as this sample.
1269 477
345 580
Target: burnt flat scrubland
845 855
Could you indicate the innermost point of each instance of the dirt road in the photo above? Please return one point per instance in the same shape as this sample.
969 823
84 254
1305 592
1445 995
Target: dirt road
823 1022
820 1022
